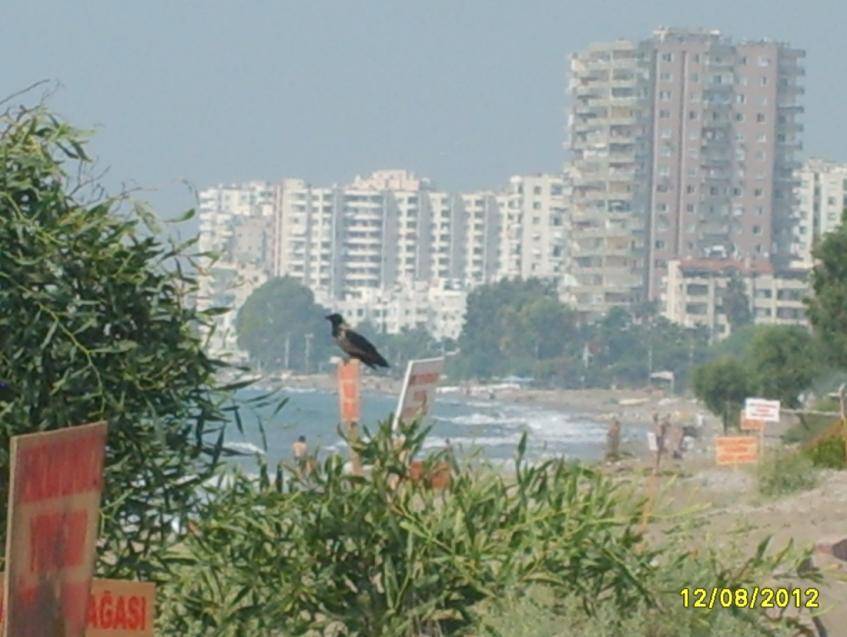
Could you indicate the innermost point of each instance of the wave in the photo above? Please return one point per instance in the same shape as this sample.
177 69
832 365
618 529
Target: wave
244 447
298 390
475 418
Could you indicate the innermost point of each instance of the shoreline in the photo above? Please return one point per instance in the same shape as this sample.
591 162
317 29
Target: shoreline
632 407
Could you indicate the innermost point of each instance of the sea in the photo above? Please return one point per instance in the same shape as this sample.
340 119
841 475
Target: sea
477 427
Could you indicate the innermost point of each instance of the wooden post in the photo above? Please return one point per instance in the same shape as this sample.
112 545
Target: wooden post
349 397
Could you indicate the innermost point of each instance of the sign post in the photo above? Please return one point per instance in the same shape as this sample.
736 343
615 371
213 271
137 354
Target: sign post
116 608
350 407
54 504
418 392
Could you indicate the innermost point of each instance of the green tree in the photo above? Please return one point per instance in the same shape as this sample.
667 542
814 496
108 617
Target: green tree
513 327
409 344
827 309
95 326
736 303
722 385
784 361
279 311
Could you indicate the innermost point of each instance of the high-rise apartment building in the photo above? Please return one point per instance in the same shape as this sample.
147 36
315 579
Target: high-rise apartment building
392 228
609 129
532 231
821 200
683 146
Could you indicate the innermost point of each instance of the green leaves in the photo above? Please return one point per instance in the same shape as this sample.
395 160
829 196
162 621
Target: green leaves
95 326
387 559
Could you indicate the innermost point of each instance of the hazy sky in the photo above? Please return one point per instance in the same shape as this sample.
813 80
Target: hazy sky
465 92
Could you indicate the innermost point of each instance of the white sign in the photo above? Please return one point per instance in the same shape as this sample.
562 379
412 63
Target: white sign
652 442
761 409
419 389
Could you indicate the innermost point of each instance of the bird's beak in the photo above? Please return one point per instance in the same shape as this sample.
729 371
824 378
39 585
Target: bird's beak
327 317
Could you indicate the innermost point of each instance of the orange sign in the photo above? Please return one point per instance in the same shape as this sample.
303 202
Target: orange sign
54 506
736 449
117 608
752 424
348 392
438 477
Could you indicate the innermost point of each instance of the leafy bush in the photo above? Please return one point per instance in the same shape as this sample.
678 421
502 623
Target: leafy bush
551 550
829 453
784 471
291 556
96 325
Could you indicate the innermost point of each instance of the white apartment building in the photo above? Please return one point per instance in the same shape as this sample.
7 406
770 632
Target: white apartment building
220 206
821 198
438 308
388 246
392 228
235 223
696 289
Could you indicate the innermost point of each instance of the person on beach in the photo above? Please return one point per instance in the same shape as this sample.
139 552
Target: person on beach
300 452
613 440
661 435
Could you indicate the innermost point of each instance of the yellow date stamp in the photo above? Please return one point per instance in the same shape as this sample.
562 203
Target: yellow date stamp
749 597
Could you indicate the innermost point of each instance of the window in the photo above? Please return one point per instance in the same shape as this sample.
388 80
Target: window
661 187
758 192
664 114
689 207
764 100
667 57
740 98
697 289
665 77
692 114
764 61
662 207
695 77
690 189
762 138
537 190
764 80
664 95
660 245
664 171
743 59
760 155
739 117
666 151
536 206
760 117
695 97
666 133
757 230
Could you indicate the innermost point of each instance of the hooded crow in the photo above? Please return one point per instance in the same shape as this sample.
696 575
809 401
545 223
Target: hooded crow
353 344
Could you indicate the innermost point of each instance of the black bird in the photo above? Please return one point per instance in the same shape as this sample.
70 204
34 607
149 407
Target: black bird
353 344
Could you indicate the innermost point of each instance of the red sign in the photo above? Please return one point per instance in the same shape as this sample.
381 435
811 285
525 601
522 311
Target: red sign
736 449
117 608
419 389
348 391
54 505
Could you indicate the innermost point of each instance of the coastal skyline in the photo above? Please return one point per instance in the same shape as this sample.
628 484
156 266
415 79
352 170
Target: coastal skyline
464 94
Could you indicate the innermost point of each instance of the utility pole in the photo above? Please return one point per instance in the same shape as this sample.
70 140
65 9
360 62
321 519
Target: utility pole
308 349
287 350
